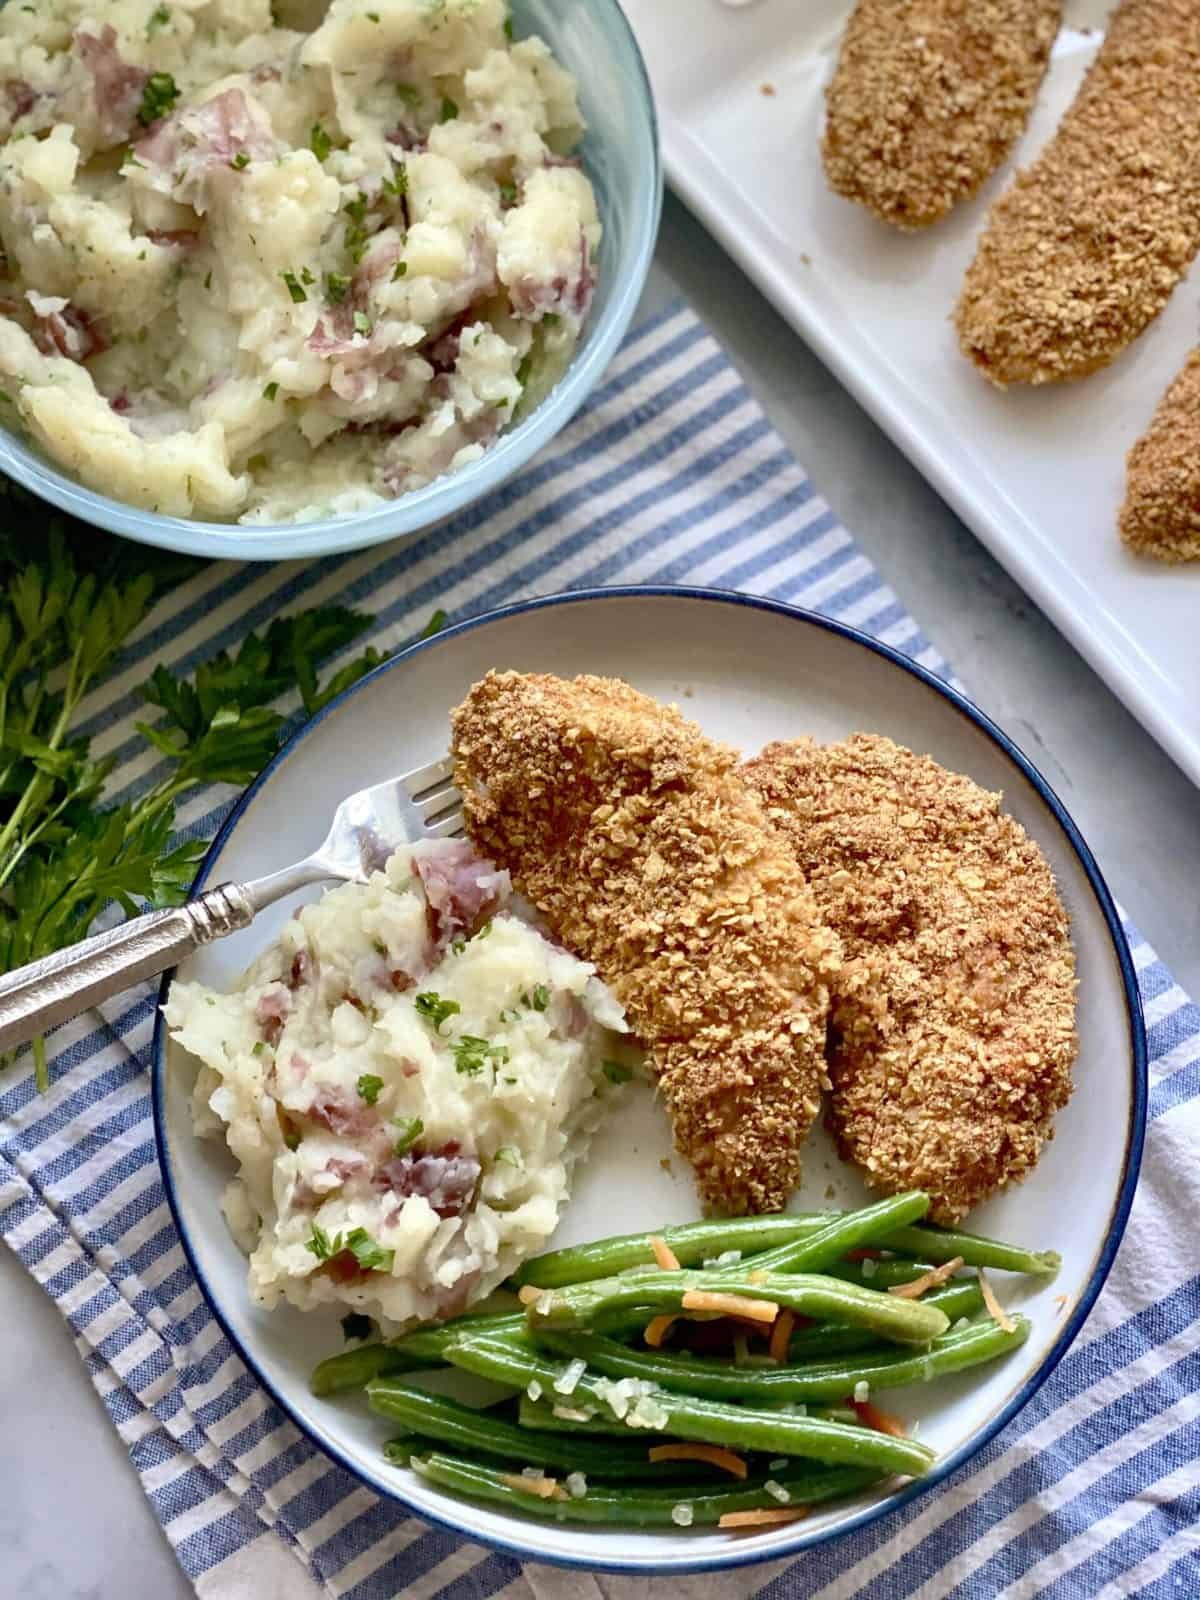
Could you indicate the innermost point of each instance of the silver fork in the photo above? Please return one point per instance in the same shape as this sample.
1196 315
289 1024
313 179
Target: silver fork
366 828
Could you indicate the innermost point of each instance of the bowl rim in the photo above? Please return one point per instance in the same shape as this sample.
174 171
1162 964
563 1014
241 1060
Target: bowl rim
738 1555
447 495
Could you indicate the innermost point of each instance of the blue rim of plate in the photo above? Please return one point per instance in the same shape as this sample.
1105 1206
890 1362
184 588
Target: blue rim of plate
737 1556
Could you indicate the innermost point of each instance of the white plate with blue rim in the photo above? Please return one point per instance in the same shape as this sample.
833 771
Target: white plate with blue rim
748 671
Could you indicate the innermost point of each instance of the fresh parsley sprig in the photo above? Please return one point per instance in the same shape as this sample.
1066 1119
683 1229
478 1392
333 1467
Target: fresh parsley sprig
69 600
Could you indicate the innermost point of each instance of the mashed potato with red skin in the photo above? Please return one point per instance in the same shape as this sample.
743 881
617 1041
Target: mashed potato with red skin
405 1080
268 273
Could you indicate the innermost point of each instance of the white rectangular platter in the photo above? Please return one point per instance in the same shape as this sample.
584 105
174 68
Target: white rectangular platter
1038 475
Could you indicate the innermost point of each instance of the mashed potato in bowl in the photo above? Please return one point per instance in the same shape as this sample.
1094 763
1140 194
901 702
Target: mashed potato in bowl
405 1080
266 271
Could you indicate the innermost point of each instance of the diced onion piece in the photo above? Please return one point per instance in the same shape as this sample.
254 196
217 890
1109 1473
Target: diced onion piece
730 1305
995 1310
765 1517
713 1454
918 1286
781 1335
666 1258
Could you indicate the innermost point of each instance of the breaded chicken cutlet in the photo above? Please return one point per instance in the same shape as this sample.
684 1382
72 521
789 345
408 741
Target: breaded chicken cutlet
636 838
952 1031
1161 514
1085 247
928 98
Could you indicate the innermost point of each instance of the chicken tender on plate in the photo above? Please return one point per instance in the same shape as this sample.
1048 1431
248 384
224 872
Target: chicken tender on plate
928 97
1084 249
952 1031
639 842
1161 514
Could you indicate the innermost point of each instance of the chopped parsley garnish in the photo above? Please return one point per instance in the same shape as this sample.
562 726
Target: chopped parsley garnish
356 1326
408 1131
307 277
270 391
159 18
616 1071
550 320
372 16
208 279
240 161
357 209
447 111
159 95
130 160
537 999
508 194
294 287
259 1049
362 323
400 270
508 29
509 1156
523 371
434 1009
337 286
397 184
319 142
319 1243
369 1086
471 1054
410 96
370 1256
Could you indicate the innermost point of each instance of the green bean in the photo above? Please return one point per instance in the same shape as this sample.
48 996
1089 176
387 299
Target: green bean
692 1242
960 1297
850 1230
830 1299
411 1352
542 1414
815 1380
705 1421
400 1450
436 1417
940 1244
642 1508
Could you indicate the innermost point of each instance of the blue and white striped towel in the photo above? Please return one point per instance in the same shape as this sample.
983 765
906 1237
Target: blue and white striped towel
672 473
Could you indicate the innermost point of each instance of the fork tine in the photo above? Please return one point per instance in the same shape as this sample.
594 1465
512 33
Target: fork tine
436 805
447 827
423 779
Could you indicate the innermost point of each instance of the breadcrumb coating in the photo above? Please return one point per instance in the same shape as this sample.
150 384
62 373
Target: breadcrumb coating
928 97
1161 514
636 838
953 1026
1085 247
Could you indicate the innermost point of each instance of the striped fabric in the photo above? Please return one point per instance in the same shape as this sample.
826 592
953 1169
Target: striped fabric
672 473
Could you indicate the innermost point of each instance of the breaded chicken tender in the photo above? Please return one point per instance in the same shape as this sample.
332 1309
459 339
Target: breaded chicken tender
928 97
1161 514
952 1031
1084 249
636 838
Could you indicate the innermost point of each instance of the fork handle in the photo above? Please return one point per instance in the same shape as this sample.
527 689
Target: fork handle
38 997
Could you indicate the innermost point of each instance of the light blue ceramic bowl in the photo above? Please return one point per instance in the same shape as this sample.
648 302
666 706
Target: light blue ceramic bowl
620 153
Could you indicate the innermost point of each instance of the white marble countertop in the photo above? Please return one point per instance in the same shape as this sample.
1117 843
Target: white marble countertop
73 1520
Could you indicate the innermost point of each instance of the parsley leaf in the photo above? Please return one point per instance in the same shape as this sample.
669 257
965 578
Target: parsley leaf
434 1009
158 97
320 1243
370 1256
337 287
471 1054
616 1071
448 110
240 161
362 323
400 270
524 369
369 1086
270 391
537 999
408 1131
159 18
319 142
294 287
